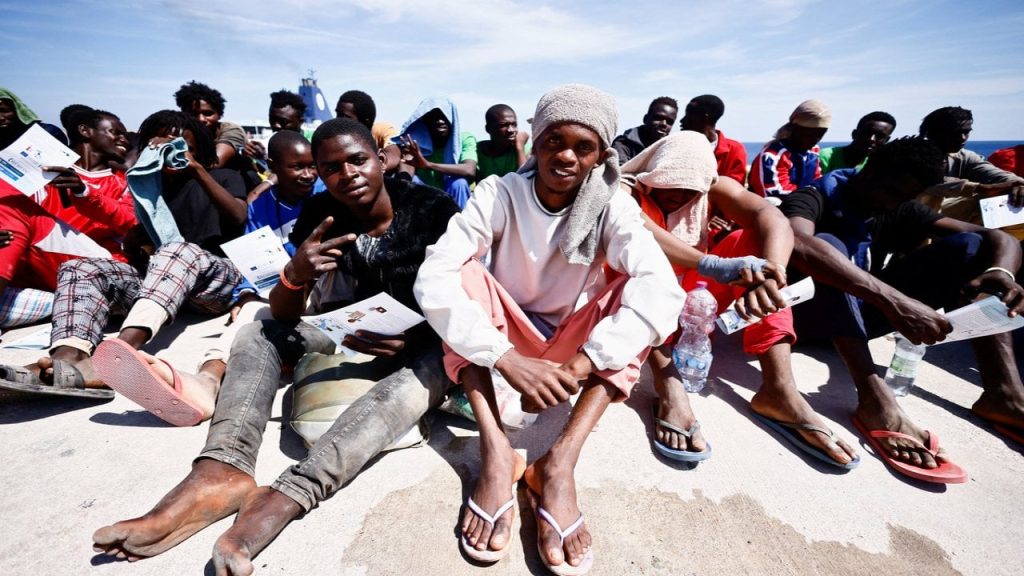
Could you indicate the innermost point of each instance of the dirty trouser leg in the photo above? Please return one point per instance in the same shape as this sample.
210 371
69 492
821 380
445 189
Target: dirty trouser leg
370 424
250 384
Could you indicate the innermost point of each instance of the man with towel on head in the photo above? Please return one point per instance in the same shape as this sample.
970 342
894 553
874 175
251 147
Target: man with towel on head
542 314
790 160
675 181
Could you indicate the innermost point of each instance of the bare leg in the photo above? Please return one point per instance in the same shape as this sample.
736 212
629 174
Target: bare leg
551 477
211 491
136 337
877 407
1002 402
779 399
673 403
500 465
263 515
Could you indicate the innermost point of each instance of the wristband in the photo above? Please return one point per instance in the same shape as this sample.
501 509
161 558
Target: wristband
1012 276
287 284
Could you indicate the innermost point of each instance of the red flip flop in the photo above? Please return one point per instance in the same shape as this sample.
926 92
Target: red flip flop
125 370
946 473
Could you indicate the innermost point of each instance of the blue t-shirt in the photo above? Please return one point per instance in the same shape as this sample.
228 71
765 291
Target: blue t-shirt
268 210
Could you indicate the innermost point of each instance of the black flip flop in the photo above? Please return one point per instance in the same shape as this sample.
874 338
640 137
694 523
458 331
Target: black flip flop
67 381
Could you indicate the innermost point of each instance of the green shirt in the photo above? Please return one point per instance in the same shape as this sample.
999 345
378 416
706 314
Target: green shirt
835 159
436 179
489 165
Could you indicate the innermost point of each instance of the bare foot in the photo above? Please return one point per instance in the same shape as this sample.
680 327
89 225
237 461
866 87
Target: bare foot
1001 407
502 468
786 404
263 516
211 491
76 358
553 488
675 409
673 404
200 389
883 413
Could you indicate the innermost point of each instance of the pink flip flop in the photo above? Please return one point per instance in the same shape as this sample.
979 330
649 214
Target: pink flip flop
946 473
125 370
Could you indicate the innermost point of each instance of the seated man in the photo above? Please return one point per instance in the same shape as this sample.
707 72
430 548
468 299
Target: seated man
675 183
88 197
206 105
291 159
846 225
872 131
359 106
366 218
658 122
968 176
16 117
543 315
208 208
285 113
442 156
790 159
507 148
702 115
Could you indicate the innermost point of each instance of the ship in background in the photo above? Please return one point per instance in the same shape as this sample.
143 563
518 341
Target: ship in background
317 112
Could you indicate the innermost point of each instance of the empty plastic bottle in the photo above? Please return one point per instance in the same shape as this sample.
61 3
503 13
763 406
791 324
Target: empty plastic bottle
903 368
692 353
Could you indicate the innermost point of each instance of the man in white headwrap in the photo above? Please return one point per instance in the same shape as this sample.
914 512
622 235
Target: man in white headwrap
543 315
675 181
790 159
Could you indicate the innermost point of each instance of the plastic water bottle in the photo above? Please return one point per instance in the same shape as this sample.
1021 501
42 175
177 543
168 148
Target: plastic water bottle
903 368
692 353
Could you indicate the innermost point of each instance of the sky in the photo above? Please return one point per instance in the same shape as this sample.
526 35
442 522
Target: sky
906 57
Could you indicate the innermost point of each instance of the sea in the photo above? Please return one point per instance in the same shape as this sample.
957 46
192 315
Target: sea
983 147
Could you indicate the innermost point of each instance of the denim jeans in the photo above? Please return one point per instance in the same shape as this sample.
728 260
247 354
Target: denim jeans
370 424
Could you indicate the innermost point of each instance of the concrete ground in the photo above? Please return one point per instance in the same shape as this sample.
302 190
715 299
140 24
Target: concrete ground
756 507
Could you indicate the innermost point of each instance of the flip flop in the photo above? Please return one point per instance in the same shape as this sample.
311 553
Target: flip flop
67 381
790 431
563 569
128 372
488 555
946 473
1014 434
672 453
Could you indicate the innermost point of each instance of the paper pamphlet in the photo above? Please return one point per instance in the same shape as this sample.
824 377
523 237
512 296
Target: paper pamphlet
996 212
380 313
982 318
259 256
730 321
21 163
38 340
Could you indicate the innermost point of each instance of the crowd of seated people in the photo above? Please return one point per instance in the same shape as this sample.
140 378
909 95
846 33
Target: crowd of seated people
553 261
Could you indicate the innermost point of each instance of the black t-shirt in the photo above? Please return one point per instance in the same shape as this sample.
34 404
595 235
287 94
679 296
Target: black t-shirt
388 263
894 232
197 216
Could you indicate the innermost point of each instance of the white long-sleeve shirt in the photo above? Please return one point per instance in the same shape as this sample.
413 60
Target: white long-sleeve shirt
505 217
